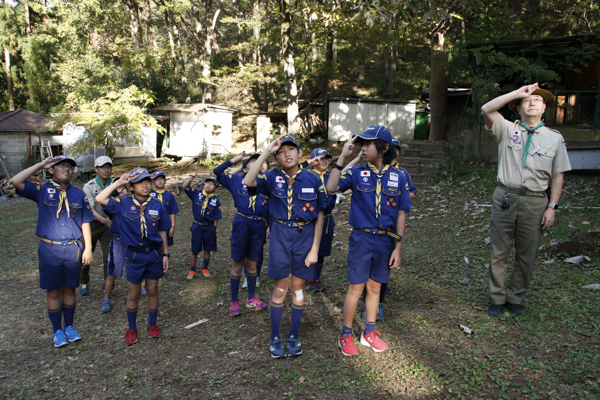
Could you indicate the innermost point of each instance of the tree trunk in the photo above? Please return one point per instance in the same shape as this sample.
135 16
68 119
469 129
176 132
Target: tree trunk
324 84
289 70
9 83
211 38
438 88
150 37
391 77
27 22
135 24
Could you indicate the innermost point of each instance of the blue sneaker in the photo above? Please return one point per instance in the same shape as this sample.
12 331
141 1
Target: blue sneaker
106 307
71 334
276 347
84 289
143 294
388 290
294 346
60 339
380 315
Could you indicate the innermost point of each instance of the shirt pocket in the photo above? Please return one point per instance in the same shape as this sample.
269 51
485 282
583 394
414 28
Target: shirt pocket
280 192
75 208
242 192
516 146
52 199
543 160
365 187
132 215
390 199
306 206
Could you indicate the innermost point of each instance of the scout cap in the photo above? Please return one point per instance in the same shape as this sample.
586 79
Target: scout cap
548 99
396 143
102 160
156 174
212 178
319 152
291 140
377 132
65 158
252 157
143 174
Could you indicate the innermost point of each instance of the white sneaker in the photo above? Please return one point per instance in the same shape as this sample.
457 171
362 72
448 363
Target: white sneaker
245 284
257 282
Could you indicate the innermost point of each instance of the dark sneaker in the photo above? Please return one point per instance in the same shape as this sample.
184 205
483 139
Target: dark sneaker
311 287
276 348
321 287
106 307
84 289
515 309
294 346
495 310
380 314
388 290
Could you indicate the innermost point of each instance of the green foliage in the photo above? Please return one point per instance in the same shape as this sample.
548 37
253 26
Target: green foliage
110 120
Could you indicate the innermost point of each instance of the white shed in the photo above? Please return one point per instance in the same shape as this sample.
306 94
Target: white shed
350 116
198 129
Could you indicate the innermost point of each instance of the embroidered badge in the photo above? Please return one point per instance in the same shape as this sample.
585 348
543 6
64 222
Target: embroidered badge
365 179
391 203
279 179
50 196
51 190
132 208
154 224
365 173
393 184
153 194
153 212
279 185
263 202
96 191
393 176
244 187
213 202
308 190
515 138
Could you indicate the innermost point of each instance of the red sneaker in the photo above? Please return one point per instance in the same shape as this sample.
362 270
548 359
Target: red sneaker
130 337
346 344
372 340
153 331
191 275
206 273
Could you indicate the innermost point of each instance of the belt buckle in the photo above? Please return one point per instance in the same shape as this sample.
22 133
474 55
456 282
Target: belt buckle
374 231
522 192
148 249
64 242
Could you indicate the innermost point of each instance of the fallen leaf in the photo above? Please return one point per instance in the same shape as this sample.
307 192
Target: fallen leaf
571 224
594 286
478 308
43 331
302 379
232 353
585 223
538 376
466 260
196 323
549 262
465 329
465 281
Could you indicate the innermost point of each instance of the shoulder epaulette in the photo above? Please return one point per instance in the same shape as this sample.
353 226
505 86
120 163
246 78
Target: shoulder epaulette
310 171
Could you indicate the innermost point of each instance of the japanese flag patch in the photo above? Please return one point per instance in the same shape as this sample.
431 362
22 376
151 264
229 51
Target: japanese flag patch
51 190
153 194
365 173
279 179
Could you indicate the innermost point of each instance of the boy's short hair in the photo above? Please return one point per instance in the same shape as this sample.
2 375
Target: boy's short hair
380 145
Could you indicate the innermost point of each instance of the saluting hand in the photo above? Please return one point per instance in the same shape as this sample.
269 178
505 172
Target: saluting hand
275 144
238 158
50 161
315 161
349 147
526 91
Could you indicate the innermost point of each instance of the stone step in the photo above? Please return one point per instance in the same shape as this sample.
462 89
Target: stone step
423 154
420 180
424 145
420 169
408 161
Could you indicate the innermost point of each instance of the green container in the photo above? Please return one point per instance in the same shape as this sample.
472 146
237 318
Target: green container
422 125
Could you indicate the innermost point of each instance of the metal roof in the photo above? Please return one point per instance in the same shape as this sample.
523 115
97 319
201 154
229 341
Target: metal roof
362 100
21 120
194 107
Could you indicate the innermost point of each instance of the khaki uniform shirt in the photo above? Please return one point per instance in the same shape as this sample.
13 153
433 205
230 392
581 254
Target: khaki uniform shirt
91 190
549 155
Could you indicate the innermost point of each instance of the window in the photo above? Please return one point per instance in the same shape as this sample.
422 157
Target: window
576 108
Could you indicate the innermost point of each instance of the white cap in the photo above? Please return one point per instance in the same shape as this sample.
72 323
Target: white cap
100 161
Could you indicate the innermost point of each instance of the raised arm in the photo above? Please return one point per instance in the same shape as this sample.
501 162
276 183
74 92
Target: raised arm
104 195
250 178
334 176
490 109
19 179
188 182
219 169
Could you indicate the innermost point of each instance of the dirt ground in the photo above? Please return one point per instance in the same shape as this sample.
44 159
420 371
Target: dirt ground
551 352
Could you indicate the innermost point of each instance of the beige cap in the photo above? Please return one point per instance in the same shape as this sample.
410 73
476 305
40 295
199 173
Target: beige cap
100 161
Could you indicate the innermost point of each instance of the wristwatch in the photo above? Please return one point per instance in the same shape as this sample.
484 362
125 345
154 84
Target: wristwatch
336 165
166 255
552 205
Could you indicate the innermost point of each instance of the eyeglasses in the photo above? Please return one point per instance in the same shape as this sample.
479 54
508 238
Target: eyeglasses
533 100
66 166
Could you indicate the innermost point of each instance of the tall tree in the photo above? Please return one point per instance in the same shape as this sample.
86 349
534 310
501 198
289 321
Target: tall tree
289 70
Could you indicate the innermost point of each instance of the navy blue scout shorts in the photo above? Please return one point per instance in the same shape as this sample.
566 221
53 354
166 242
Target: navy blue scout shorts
369 257
327 237
140 265
204 237
59 265
116 257
288 250
247 238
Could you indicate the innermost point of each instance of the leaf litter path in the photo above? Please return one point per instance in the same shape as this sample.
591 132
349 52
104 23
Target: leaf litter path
551 352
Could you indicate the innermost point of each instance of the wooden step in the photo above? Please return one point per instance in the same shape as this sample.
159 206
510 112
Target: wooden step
408 161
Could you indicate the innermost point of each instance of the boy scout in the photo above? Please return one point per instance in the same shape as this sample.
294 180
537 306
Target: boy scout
64 216
530 155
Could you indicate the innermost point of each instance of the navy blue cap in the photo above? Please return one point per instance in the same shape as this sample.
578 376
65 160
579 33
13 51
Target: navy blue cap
289 140
142 174
396 143
252 157
212 178
377 132
156 174
65 158
319 152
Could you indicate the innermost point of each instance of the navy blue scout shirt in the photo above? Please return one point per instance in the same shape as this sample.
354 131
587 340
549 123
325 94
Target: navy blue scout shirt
242 200
307 200
204 214
363 211
115 230
329 199
167 199
410 186
68 225
129 221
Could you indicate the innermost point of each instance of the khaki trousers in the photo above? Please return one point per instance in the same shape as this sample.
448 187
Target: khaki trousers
521 225
99 232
